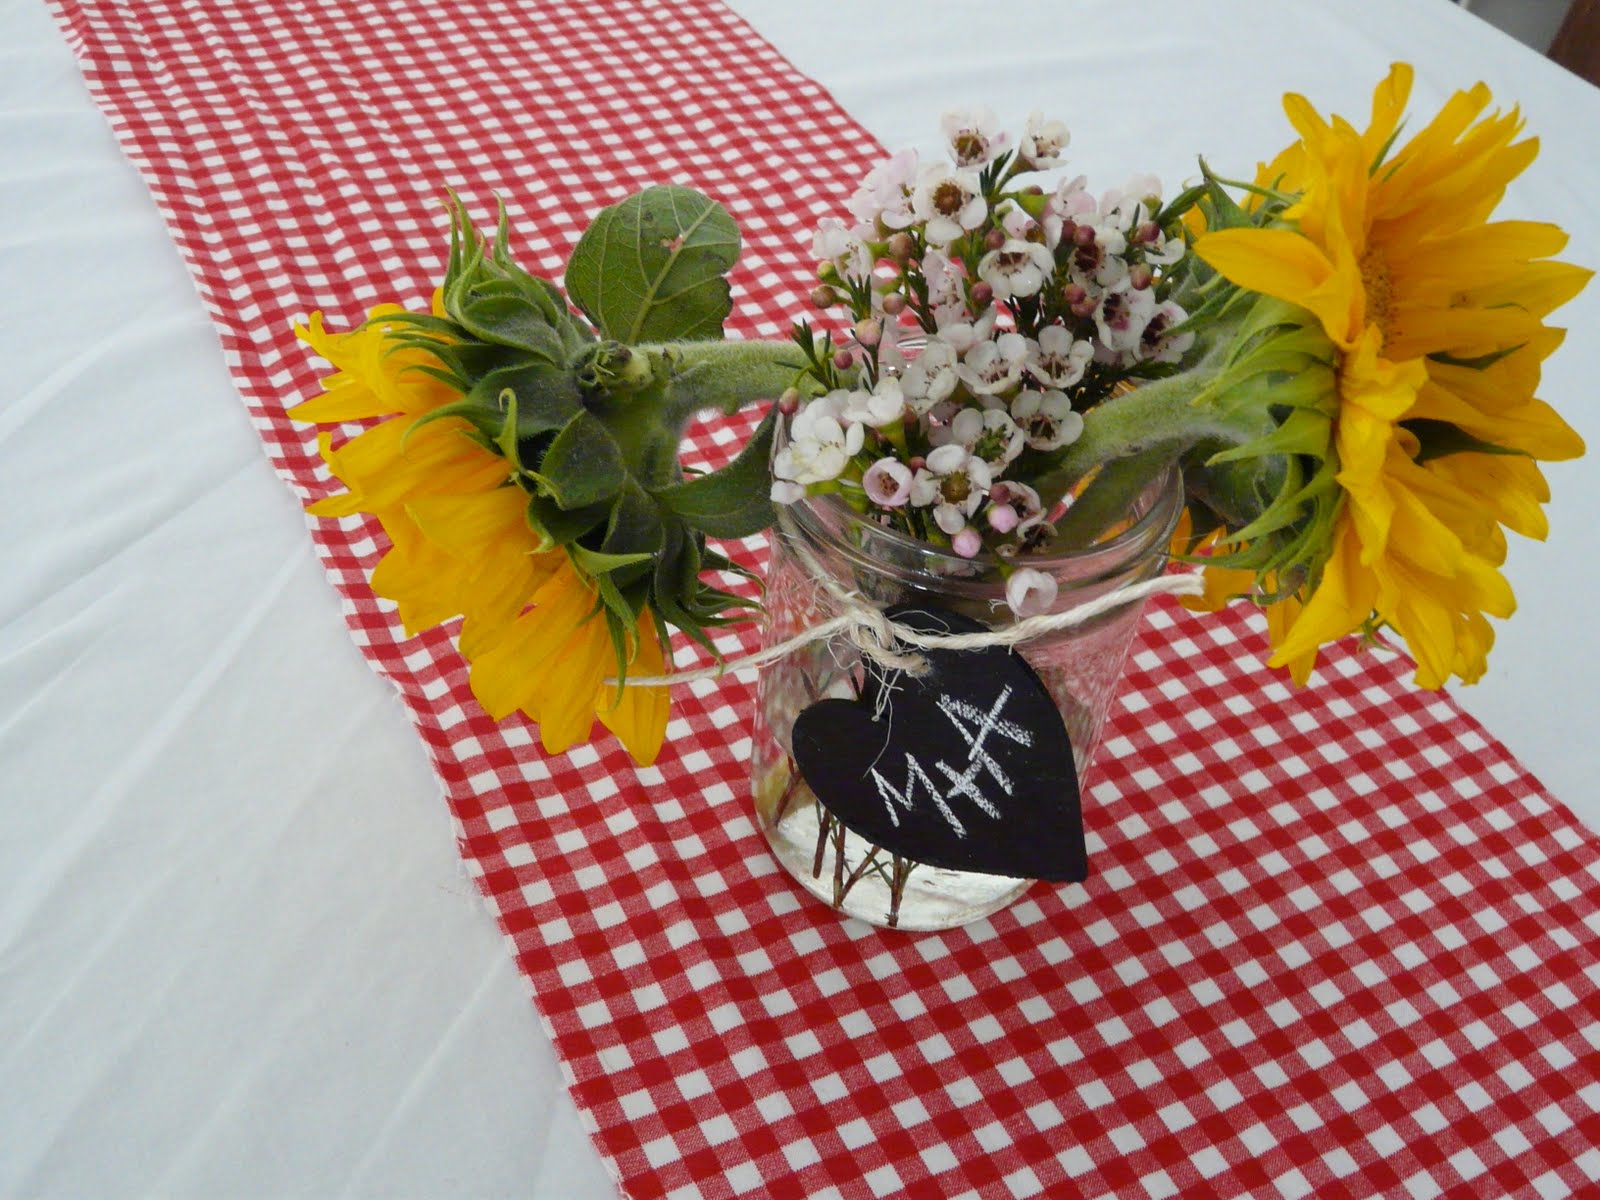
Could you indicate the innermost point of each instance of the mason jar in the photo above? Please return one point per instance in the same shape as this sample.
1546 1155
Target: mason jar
1080 668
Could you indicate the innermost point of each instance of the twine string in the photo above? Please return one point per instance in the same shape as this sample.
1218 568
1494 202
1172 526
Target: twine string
870 630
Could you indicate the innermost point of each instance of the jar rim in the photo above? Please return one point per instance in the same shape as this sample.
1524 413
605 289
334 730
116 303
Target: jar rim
1098 560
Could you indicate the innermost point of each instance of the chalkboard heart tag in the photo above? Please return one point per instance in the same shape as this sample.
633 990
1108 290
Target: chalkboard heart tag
967 767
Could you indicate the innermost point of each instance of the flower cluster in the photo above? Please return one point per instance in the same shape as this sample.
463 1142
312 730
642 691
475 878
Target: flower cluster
1341 362
987 317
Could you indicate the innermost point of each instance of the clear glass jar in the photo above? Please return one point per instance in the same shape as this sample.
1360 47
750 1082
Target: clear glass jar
1080 668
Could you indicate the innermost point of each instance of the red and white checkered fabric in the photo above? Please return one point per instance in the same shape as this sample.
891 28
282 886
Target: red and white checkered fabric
1337 941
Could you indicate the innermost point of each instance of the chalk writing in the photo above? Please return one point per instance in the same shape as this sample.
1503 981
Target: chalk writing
975 726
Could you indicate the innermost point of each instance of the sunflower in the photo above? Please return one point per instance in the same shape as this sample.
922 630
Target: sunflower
461 544
1437 315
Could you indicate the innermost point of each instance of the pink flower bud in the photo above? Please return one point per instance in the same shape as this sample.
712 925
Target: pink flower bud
869 332
1003 518
1148 232
902 246
1140 276
824 297
894 304
1084 308
1083 235
1073 293
789 402
982 293
994 239
916 462
842 359
967 543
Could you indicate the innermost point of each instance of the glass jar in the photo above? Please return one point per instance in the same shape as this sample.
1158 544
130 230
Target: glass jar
1080 667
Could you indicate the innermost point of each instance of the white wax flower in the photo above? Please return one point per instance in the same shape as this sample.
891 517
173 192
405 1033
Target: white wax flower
885 195
930 377
1156 344
884 405
1017 269
954 483
1101 263
1026 502
1030 592
1057 359
990 435
966 333
994 366
1136 201
887 483
786 491
820 443
950 201
974 135
947 295
1047 419
1043 141
844 248
1122 314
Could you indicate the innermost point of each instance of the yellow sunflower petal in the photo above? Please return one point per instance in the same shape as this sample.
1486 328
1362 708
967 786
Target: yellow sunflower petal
509 674
416 575
1533 428
1280 263
1281 618
1340 604
1388 107
639 716
567 692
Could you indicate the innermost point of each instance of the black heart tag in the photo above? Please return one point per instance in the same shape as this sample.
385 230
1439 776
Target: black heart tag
968 767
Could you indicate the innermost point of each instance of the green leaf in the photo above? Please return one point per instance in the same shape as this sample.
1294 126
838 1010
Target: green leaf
597 563
425 322
1180 204
469 360
712 560
1219 208
496 301
1439 438
584 464
564 526
534 399
509 320
652 268
735 501
1303 431
546 398
635 527
621 649
677 576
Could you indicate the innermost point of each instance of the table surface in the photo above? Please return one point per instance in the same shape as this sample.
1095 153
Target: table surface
240 956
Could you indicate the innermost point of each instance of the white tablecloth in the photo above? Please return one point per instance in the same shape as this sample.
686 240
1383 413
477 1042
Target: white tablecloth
237 954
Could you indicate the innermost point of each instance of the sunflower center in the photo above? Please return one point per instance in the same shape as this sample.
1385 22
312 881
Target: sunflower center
1380 295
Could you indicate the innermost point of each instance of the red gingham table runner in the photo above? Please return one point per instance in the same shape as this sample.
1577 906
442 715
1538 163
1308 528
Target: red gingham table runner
1336 942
